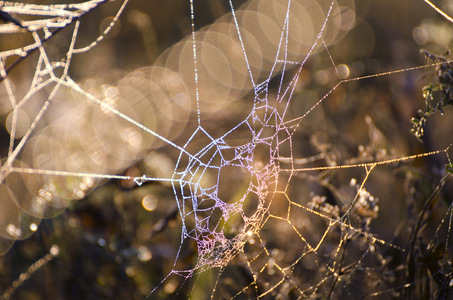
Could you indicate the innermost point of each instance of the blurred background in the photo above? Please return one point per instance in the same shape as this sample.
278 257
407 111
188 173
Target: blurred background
99 239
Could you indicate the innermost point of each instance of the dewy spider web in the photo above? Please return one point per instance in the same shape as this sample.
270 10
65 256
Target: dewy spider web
238 191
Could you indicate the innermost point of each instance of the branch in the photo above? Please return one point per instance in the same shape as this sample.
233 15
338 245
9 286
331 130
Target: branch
45 38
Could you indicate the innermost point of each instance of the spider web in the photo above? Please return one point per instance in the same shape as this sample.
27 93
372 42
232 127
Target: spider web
258 217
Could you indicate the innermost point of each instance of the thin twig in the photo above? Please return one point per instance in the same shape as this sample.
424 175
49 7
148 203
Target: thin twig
43 40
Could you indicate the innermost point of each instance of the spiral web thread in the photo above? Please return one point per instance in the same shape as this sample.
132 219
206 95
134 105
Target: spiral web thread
223 223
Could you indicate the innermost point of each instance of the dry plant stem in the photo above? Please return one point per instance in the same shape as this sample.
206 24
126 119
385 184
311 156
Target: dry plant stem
163 222
43 40
340 271
411 256
54 251
442 182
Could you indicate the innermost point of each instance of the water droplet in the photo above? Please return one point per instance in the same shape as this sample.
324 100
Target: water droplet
149 203
33 227
55 250
139 180
13 230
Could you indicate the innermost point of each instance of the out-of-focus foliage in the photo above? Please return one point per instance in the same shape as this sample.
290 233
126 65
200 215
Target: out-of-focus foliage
437 95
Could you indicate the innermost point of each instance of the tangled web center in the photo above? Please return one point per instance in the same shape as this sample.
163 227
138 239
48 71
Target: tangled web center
218 218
